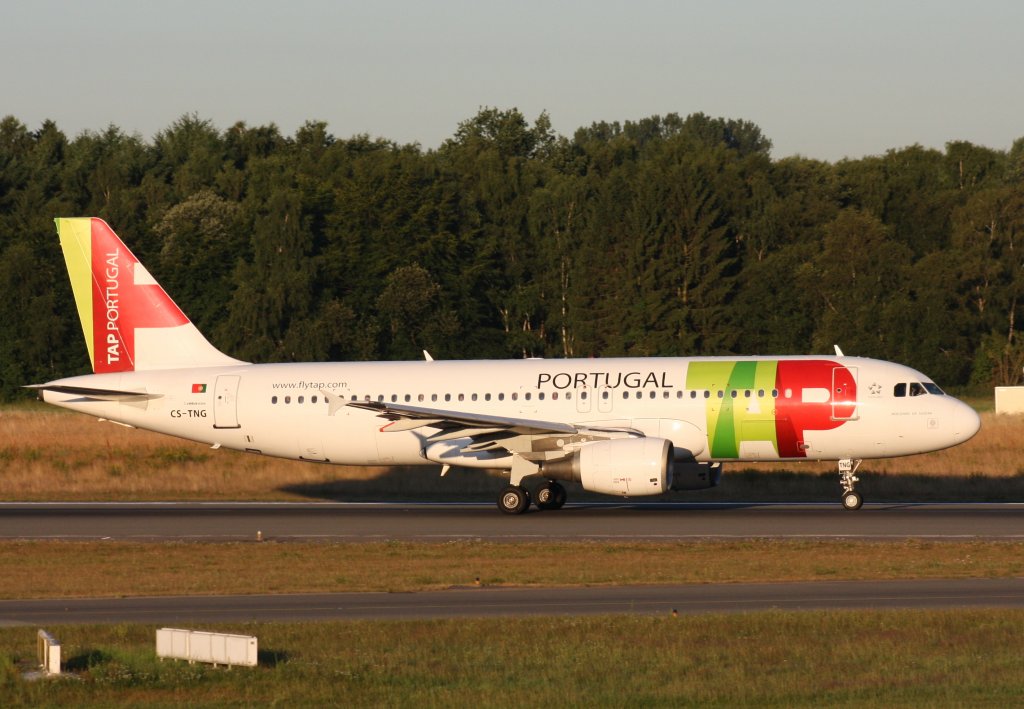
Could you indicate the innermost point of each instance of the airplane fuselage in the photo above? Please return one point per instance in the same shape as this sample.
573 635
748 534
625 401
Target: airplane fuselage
710 409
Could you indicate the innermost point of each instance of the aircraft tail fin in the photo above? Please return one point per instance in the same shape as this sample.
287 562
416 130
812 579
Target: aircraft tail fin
129 321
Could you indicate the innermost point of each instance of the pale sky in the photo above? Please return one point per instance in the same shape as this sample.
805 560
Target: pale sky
821 78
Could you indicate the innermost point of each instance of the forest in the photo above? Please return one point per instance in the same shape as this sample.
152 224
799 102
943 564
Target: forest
669 235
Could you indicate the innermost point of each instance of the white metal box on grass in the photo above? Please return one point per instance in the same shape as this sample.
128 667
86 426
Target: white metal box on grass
200 646
1010 400
48 651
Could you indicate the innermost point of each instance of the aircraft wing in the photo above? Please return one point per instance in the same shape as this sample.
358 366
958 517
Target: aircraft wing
485 435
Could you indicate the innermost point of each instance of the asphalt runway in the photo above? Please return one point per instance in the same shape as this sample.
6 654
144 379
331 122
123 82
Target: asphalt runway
364 522
498 602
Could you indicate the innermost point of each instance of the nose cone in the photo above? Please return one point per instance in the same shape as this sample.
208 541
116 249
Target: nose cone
966 422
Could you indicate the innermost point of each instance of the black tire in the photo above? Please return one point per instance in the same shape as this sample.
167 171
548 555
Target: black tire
513 500
559 496
550 496
852 500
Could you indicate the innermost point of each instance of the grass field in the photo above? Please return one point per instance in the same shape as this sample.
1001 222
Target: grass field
51 569
864 659
49 454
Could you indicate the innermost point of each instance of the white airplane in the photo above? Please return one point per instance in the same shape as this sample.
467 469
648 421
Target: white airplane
629 426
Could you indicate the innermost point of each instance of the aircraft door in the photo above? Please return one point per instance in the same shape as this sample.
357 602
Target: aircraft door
844 394
225 403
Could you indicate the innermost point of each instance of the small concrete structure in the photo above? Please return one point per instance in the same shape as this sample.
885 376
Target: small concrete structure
199 646
1010 400
48 653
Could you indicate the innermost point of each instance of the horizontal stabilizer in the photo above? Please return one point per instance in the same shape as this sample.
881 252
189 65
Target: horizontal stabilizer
97 394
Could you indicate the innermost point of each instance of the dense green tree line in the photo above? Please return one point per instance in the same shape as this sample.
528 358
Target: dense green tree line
664 236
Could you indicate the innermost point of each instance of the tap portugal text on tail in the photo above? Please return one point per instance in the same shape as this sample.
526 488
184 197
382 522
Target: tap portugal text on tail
623 426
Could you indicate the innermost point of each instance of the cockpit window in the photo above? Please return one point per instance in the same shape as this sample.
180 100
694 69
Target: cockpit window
917 389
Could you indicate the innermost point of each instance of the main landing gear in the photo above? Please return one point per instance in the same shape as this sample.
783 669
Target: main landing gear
847 477
515 500
551 496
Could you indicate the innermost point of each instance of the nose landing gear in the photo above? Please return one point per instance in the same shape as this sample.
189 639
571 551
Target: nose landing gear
852 499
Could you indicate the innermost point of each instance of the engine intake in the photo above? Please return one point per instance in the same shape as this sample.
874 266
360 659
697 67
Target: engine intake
622 466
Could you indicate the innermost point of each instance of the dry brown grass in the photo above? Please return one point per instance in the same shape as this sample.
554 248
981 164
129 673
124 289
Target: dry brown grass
49 454
56 569
52 454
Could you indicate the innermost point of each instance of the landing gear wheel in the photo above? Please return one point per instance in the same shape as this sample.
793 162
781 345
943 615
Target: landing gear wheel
847 478
551 496
513 500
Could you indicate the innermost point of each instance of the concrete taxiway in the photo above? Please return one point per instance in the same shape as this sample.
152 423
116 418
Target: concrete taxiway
496 602
225 521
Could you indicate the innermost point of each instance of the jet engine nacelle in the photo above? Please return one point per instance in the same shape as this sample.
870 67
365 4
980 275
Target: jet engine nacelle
622 466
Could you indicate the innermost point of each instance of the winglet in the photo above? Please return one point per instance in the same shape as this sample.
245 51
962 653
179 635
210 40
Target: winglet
839 352
129 321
